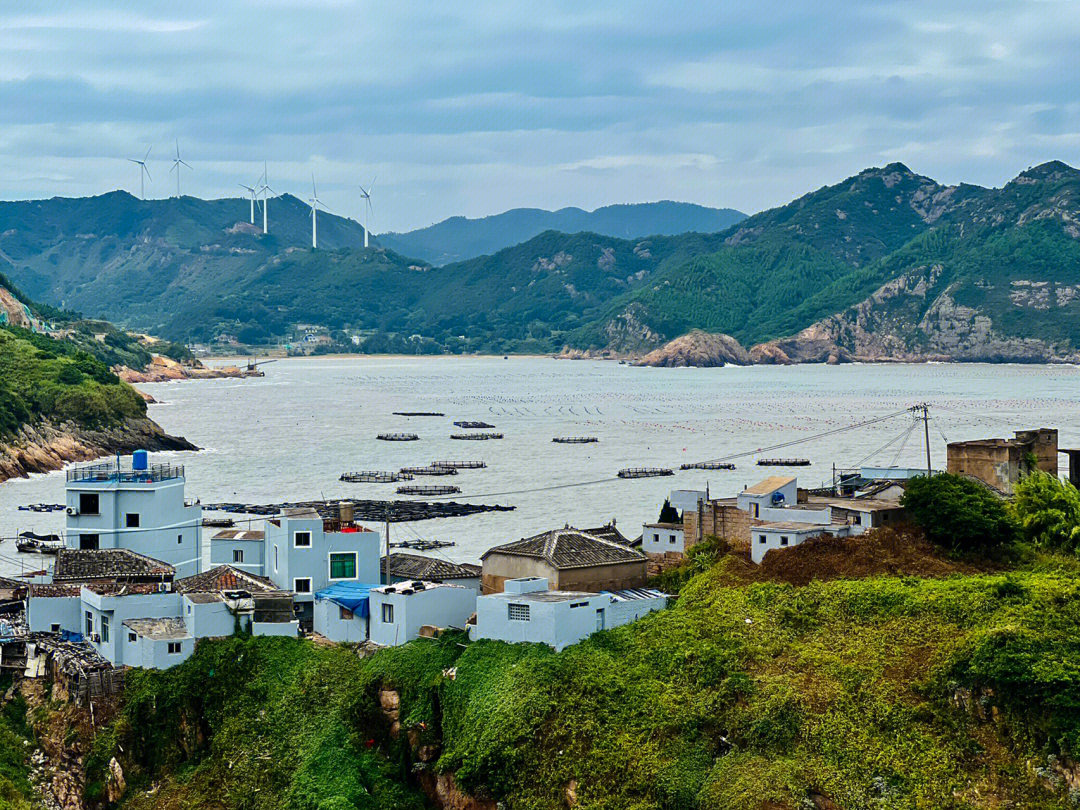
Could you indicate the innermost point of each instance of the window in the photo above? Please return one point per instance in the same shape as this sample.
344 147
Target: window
783 540
761 538
174 648
189 610
857 519
238 555
132 637
55 628
600 619
579 604
275 558
345 614
387 613
343 565
131 520
672 540
89 623
104 629
302 539
517 613
302 585
88 503
179 539
89 541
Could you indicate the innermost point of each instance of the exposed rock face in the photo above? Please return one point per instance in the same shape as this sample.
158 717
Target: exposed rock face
48 446
164 369
700 349
913 318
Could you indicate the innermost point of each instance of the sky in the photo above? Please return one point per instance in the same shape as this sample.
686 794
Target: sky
473 108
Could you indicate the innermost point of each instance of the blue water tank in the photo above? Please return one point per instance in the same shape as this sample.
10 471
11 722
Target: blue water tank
140 460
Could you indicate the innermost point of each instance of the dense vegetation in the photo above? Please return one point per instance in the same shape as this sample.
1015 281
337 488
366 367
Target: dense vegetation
458 239
46 379
15 737
896 692
193 270
958 512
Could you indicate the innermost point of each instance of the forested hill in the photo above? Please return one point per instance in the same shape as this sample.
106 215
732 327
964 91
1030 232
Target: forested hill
885 264
459 238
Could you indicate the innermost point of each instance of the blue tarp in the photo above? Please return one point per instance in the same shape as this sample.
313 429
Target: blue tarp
350 595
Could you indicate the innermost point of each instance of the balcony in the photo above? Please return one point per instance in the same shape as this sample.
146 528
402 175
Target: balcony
111 472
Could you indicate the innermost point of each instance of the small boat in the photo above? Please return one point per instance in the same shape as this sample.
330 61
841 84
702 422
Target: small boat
30 543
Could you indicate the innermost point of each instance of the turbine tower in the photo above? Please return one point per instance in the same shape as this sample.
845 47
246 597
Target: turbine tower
251 192
176 167
143 172
315 203
266 191
365 194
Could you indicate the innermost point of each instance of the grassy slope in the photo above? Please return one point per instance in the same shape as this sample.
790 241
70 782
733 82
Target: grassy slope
740 696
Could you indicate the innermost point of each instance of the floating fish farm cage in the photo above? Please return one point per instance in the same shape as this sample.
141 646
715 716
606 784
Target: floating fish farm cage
473 425
575 439
398 437
475 437
433 489
460 465
645 472
783 462
418 413
374 477
708 465
428 471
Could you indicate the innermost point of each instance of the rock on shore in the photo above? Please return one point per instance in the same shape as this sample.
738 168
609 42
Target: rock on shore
697 348
164 369
49 446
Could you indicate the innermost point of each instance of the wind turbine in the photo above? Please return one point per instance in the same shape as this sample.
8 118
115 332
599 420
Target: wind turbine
265 190
176 164
315 203
251 192
365 194
143 172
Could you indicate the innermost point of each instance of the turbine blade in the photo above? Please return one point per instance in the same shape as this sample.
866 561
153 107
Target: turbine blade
148 177
137 162
147 155
188 165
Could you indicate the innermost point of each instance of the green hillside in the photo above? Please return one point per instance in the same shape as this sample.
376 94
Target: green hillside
896 692
459 239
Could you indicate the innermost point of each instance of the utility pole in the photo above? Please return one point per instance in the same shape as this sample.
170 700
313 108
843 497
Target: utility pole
386 560
925 408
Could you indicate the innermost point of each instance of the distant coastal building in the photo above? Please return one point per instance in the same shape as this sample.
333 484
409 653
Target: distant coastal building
140 506
999 463
568 558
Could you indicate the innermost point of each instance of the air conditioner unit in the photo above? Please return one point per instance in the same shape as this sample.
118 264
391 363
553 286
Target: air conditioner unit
73 511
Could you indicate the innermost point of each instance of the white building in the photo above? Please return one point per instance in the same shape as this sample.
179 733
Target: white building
340 612
526 611
785 534
774 491
399 611
139 506
661 538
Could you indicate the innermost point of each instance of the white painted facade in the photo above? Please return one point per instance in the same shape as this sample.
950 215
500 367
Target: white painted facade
772 492
399 611
776 536
683 499
659 538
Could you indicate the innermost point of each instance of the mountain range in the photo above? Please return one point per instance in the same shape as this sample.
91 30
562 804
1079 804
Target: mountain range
886 264
457 238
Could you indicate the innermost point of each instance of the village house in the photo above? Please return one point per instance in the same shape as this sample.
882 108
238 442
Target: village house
526 611
242 548
999 463
340 612
568 558
398 612
408 567
139 506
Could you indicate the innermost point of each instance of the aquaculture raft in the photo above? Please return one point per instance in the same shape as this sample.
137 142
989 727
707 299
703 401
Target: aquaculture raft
407 511
431 489
473 425
418 413
783 462
476 437
218 523
645 472
708 465
460 465
575 439
374 477
433 470
398 437
423 545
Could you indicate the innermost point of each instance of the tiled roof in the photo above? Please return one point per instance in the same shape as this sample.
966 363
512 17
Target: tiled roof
569 548
417 566
49 590
239 534
124 588
223 578
75 565
609 532
769 485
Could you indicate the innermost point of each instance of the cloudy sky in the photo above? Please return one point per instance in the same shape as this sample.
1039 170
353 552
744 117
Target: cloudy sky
471 108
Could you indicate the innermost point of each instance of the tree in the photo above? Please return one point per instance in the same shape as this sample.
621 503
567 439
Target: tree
1048 512
668 514
958 513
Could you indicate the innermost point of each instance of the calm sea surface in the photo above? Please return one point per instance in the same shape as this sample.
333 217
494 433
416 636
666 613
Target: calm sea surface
289 435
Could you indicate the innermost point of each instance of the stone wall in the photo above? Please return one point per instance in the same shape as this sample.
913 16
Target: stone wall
724 520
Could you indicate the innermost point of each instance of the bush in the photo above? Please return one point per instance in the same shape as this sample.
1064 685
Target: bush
1048 512
958 513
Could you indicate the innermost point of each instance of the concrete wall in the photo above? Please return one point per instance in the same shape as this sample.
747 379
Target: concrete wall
790 493
168 530
622 612
208 619
328 622
151 653
822 516
683 499
439 605
286 562
556 624
221 553
289 629
662 539
500 567
1000 462
768 539
119 609
42 612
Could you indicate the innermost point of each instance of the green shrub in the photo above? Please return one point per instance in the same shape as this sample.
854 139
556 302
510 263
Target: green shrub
1048 512
958 513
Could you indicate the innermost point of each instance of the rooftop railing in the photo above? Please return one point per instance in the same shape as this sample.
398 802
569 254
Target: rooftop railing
111 472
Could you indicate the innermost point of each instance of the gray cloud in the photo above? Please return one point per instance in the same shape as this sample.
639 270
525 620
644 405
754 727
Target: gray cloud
472 108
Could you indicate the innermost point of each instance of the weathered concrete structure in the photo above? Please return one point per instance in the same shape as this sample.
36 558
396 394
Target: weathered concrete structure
1001 462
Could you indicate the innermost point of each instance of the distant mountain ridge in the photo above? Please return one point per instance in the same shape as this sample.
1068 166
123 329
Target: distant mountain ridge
459 239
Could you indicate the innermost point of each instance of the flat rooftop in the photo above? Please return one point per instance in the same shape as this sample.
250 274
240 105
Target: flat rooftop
113 473
415 586
545 596
169 629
